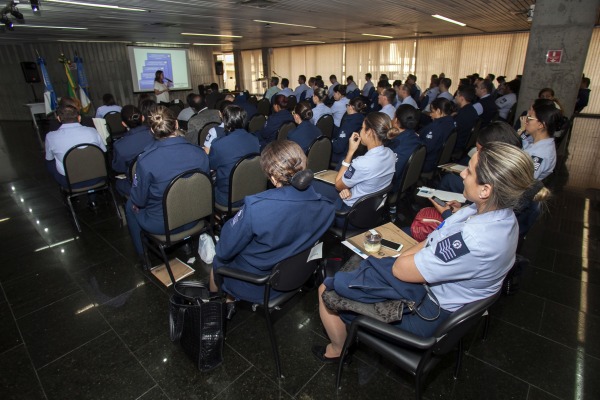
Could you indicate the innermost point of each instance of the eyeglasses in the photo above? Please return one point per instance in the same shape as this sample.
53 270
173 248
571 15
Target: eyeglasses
348 105
531 118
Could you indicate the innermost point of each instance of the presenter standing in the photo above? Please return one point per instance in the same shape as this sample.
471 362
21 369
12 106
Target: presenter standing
161 90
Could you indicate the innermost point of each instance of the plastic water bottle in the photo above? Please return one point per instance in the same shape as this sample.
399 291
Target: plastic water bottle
393 213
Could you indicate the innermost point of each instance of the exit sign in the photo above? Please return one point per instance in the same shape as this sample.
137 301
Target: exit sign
554 56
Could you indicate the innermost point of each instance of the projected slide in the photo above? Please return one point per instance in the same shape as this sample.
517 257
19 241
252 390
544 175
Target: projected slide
145 61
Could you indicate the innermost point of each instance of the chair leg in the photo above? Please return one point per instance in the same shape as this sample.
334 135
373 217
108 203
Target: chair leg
459 356
70 204
167 265
147 265
273 342
114 199
338 379
486 324
418 382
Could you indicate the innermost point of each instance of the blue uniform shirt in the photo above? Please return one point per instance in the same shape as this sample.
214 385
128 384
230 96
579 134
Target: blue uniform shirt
269 132
224 153
543 154
320 110
338 109
68 135
465 120
403 146
129 146
350 123
272 226
464 260
304 134
157 166
433 136
369 173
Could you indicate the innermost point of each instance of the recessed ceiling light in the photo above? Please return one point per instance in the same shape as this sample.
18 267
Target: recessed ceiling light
308 41
448 20
81 3
209 34
383 36
52 27
283 23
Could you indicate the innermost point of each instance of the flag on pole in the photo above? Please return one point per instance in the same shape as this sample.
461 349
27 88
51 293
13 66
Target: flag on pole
50 101
83 85
69 67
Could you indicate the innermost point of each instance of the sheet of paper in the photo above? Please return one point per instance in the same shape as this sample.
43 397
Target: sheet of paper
354 249
100 124
316 253
440 194
453 167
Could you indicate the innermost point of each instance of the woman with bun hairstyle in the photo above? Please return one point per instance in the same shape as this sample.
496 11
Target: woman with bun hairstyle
305 133
465 260
280 116
167 157
405 140
435 134
543 119
320 109
351 122
250 244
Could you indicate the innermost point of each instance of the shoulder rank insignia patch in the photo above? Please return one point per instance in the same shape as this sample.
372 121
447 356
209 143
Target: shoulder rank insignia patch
349 172
451 248
537 162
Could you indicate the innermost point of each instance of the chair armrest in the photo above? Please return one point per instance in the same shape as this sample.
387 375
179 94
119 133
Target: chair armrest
342 213
243 275
392 332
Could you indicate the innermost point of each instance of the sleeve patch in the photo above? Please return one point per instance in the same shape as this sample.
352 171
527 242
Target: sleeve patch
537 162
349 172
238 216
135 181
451 248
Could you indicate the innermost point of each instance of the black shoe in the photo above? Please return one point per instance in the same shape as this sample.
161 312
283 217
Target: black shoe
319 353
231 310
92 205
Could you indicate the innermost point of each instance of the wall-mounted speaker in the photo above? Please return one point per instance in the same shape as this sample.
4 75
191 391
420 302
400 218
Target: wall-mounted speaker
219 69
31 72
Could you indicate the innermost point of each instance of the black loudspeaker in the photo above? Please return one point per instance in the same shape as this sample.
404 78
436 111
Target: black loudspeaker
31 72
219 68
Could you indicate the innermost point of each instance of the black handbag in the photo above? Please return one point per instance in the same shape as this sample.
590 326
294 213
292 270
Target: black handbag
197 321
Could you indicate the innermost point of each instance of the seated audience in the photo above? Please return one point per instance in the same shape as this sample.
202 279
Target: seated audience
109 105
444 87
486 106
338 108
285 90
403 141
320 109
352 122
583 95
301 88
54 124
249 244
242 100
280 116
197 122
169 156
305 133
537 131
137 138
334 83
430 94
350 84
435 134
415 90
404 97
386 101
216 131
366 90
193 101
213 96
273 88
466 116
228 149
497 177
505 103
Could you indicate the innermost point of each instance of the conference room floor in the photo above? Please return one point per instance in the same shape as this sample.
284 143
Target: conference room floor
79 320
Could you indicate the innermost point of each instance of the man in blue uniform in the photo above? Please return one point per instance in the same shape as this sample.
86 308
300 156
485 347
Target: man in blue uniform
466 117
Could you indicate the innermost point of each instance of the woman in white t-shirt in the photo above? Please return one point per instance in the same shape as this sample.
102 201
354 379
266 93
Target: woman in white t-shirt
161 90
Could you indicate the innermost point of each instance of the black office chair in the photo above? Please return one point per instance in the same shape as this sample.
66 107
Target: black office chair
257 122
292 101
114 124
85 162
188 198
410 177
318 155
325 124
444 157
287 276
286 128
263 107
176 108
412 353
204 132
368 212
246 178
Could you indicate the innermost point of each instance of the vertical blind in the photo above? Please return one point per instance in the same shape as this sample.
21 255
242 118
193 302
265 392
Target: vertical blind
592 71
252 70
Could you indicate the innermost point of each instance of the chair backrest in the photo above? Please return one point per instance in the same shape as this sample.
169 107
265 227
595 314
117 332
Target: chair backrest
291 273
183 125
368 211
114 125
204 132
292 101
302 96
448 148
319 154
246 178
282 133
510 118
325 124
263 106
176 108
132 168
473 136
459 323
84 162
188 198
253 100
413 169
257 122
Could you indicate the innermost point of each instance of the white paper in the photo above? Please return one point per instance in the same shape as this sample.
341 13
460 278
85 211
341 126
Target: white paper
354 249
440 194
100 124
316 253
453 167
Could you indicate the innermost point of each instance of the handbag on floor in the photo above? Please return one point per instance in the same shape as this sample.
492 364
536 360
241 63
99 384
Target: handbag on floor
197 321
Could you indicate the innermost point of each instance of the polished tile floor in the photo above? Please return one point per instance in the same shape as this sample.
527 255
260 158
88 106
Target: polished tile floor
78 319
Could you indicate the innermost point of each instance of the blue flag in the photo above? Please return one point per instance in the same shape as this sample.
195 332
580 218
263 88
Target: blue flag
83 85
49 95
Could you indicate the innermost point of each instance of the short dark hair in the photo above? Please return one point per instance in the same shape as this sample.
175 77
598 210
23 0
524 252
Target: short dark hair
487 85
67 114
332 77
468 92
383 84
281 100
275 80
108 99
285 82
350 78
390 95
234 117
368 75
443 104
302 78
341 89
397 83
446 82
214 86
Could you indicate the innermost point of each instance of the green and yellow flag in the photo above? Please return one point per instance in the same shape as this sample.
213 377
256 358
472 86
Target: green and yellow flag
69 70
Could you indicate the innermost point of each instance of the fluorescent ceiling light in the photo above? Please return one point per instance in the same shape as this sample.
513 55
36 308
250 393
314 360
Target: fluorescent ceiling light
211 44
283 23
160 43
209 34
51 27
383 36
448 20
81 3
308 41
91 41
